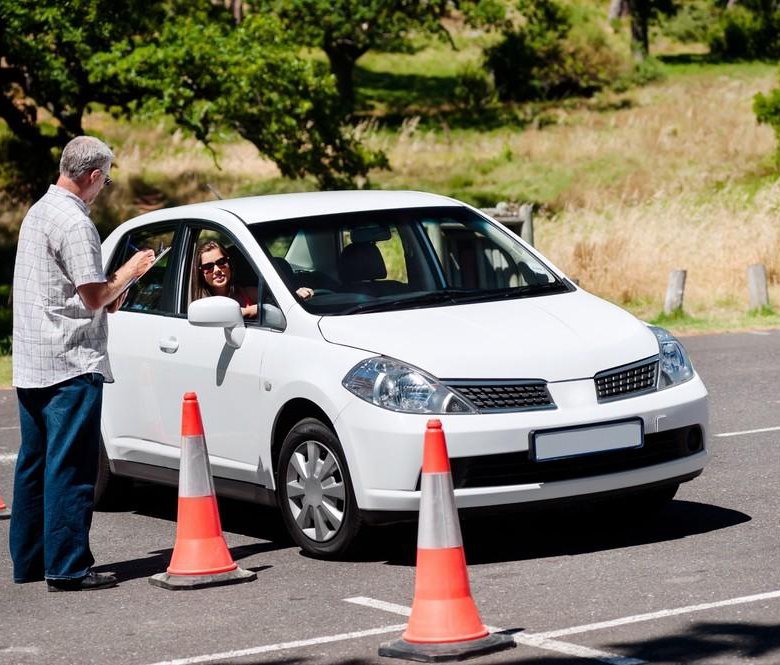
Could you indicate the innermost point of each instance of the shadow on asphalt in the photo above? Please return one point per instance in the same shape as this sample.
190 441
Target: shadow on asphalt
577 530
702 642
487 539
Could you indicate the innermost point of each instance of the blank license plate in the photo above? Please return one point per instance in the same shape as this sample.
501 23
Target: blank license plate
556 444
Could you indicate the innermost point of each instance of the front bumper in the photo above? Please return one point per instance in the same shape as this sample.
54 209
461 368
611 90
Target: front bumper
384 448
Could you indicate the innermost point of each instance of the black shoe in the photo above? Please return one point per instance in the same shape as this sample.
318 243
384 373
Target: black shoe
89 582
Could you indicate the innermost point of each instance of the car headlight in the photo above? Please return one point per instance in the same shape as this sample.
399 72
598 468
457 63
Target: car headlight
675 365
397 386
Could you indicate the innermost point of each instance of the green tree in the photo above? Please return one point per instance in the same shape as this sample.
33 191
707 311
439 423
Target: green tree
182 57
347 29
641 12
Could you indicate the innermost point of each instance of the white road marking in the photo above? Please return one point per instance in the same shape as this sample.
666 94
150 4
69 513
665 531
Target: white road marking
403 610
531 640
576 650
8 427
240 653
7 457
33 651
749 431
661 614
757 332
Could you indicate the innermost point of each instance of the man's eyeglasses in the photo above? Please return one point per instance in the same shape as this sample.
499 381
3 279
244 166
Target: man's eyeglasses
220 263
107 180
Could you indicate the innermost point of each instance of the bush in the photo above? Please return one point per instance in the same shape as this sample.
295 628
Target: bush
545 58
694 21
745 34
474 89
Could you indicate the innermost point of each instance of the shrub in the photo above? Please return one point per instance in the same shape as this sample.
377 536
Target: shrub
743 33
545 58
474 89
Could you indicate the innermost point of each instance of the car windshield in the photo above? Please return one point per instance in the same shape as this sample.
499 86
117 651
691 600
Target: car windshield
401 259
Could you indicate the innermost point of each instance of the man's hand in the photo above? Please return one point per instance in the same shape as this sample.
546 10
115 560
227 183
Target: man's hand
140 262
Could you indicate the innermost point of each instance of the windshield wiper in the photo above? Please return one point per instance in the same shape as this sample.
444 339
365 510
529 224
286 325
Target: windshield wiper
420 300
517 292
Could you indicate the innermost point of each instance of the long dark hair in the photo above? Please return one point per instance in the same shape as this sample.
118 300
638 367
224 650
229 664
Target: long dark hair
199 287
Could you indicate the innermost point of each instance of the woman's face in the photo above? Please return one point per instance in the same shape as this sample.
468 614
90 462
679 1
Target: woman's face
216 276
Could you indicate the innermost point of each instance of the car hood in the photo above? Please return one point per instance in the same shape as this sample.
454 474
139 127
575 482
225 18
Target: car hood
555 338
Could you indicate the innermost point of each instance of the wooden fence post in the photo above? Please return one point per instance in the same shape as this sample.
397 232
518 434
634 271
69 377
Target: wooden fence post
675 291
527 229
757 287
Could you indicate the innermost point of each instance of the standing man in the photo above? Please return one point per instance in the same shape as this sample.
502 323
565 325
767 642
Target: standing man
60 300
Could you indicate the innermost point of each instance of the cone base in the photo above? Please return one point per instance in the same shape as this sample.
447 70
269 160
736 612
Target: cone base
182 582
5 514
448 651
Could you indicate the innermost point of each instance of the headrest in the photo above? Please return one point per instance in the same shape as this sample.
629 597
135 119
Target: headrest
284 269
369 233
360 262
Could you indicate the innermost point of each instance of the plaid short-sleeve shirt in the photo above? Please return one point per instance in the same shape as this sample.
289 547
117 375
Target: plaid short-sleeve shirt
55 336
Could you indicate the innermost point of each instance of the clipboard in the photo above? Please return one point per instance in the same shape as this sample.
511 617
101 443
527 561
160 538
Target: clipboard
154 263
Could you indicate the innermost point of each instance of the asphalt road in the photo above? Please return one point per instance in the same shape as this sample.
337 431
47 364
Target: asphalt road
698 583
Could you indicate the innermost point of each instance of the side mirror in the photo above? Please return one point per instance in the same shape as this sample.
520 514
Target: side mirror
273 317
219 312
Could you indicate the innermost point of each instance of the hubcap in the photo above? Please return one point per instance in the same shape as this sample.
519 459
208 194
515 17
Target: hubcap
315 491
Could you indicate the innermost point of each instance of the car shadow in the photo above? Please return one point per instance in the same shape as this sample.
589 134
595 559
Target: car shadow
240 517
550 533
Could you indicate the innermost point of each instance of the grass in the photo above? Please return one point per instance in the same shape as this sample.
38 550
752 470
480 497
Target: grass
5 371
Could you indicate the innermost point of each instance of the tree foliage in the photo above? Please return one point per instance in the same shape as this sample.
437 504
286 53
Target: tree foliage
539 59
748 30
182 57
346 29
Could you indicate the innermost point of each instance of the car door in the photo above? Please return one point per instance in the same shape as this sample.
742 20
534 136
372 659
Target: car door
227 380
134 423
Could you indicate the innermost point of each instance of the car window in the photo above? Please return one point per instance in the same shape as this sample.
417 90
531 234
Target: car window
403 258
216 265
152 293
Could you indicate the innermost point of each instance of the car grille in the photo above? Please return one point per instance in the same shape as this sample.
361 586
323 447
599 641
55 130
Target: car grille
519 469
627 381
492 396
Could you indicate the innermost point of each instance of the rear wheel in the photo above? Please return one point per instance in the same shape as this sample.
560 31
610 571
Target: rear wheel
111 491
315 491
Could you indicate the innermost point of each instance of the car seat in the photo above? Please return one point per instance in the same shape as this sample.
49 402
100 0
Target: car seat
362 269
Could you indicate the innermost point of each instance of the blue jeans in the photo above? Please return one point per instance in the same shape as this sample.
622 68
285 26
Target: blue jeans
54 483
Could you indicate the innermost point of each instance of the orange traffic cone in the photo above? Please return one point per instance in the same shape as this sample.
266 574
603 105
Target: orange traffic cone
5 512
200 556
444 624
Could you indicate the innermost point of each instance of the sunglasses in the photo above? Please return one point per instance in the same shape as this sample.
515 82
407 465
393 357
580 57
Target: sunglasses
220 263
107 181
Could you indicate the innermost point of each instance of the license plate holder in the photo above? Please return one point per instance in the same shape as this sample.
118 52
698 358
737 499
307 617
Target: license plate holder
565 442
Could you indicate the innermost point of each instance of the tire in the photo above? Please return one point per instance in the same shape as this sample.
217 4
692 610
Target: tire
321 515
111 491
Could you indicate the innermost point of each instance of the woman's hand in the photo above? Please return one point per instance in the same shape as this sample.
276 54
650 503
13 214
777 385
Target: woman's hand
249 312
304 293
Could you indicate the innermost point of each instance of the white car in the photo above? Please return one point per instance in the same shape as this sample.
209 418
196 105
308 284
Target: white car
423 308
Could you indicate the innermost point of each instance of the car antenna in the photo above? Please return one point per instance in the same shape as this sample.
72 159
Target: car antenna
214 191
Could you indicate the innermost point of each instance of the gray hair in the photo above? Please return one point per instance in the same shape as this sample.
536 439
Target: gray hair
83 155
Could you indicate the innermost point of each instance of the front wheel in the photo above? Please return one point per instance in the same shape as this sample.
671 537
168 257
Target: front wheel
315 491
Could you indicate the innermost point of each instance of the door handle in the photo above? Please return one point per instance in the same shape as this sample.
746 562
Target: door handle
169 345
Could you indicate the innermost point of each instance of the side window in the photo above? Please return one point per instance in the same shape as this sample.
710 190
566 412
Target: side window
153 292
218 267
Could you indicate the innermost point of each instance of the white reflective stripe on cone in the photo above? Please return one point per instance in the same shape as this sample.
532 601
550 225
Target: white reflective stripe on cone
439 526
195 470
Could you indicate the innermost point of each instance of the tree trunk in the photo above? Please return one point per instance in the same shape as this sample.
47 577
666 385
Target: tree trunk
617 8
639 11
342 64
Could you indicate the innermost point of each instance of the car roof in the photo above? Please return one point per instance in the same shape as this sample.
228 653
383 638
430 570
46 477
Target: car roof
257 209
